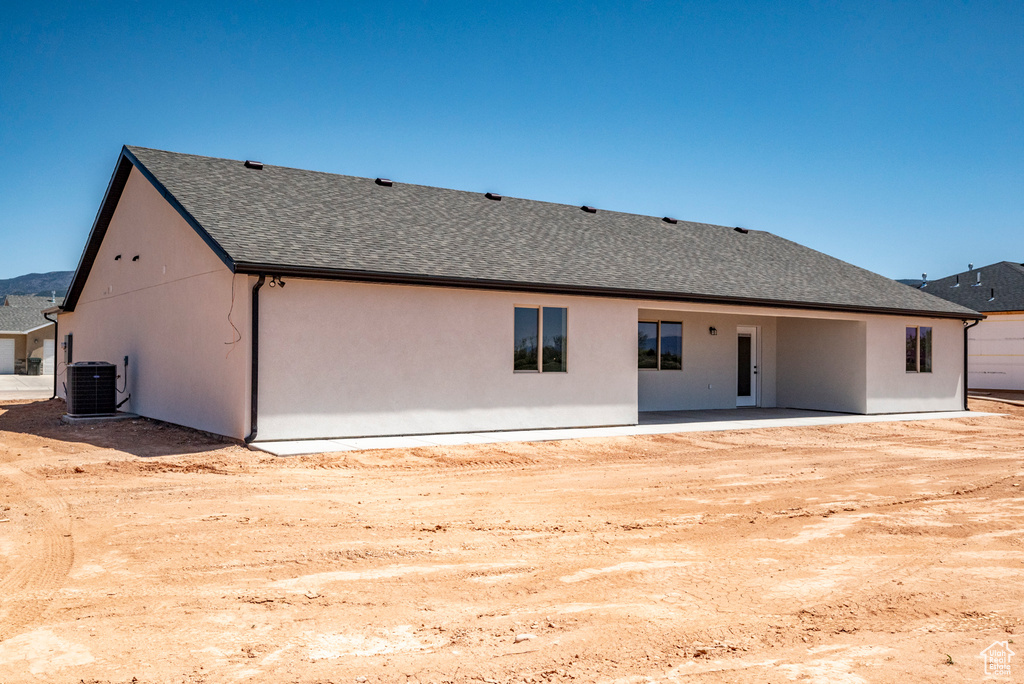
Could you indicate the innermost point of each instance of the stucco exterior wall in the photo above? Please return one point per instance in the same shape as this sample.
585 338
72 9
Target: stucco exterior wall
708 378
996 353
891 389
822 364
34 342
168 311
350 359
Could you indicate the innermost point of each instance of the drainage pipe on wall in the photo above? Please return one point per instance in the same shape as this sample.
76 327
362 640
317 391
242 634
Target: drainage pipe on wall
966 328
55 338
254 372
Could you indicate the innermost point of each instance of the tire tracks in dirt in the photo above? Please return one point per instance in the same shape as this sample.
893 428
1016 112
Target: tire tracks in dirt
27 590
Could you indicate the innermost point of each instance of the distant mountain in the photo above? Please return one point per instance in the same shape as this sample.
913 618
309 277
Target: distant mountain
38 284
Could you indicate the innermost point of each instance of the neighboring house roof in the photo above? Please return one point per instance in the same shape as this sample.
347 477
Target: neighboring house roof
1001 288
20 320
37 302
283 221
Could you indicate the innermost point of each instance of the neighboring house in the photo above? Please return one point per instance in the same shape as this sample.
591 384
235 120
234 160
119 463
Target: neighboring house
996 345
26 334
274 303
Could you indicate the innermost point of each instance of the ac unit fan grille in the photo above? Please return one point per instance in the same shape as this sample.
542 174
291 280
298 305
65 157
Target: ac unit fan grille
91 388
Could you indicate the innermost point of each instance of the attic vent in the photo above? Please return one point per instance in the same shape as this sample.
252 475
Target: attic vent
669 219
384 182
250 164
589 210
493 196
741 230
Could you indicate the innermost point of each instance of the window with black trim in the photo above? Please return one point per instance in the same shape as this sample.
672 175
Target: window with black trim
659 345
547 325
919 349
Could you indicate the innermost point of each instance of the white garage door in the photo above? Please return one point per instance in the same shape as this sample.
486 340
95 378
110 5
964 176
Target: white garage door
7 357
48 357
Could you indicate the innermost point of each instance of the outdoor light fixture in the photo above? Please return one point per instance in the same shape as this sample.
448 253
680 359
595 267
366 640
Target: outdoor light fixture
276 281
713 330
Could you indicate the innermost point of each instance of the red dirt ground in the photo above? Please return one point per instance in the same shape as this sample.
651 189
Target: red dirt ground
142 552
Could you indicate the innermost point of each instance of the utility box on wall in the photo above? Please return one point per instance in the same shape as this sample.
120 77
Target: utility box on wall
91 388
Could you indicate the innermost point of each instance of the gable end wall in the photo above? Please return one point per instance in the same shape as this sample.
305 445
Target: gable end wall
168 312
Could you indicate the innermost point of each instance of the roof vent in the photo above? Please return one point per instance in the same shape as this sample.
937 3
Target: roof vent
957 283
493 196
993 295
384 182
589 210
924 280
250 164
977 284
741 230
669 219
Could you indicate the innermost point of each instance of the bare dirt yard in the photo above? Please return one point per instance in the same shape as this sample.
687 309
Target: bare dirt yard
141 552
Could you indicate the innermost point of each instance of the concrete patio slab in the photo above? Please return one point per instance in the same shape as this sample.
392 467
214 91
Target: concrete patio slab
653 423
14 387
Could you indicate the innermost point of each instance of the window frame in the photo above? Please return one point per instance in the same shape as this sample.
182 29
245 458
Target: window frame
657 348
918 340
539 309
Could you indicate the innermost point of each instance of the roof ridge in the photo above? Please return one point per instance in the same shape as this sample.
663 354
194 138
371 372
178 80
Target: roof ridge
472 193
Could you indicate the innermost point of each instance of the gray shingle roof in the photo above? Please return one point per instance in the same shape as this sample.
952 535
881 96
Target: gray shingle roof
18 319
37 302
280 220
1005 278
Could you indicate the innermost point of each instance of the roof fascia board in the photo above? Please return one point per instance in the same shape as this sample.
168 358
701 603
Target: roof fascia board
25 332
101 223
182 211
252 268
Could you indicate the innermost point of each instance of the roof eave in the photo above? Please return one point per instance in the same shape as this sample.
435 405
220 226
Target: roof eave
25 332
257 268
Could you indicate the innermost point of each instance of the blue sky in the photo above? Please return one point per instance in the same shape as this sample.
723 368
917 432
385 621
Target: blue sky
887 134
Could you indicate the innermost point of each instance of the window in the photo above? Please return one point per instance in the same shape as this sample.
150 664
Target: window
660 345
547 325
919 349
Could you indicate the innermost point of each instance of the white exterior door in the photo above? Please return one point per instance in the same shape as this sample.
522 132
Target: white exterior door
746 366
6 357
48 357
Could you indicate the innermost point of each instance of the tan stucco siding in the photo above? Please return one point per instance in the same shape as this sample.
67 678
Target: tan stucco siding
168 312
891 389
34 342
709 374
823 364
347 359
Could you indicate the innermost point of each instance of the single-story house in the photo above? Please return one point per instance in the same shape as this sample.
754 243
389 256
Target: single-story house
271 303
996 345
25 333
